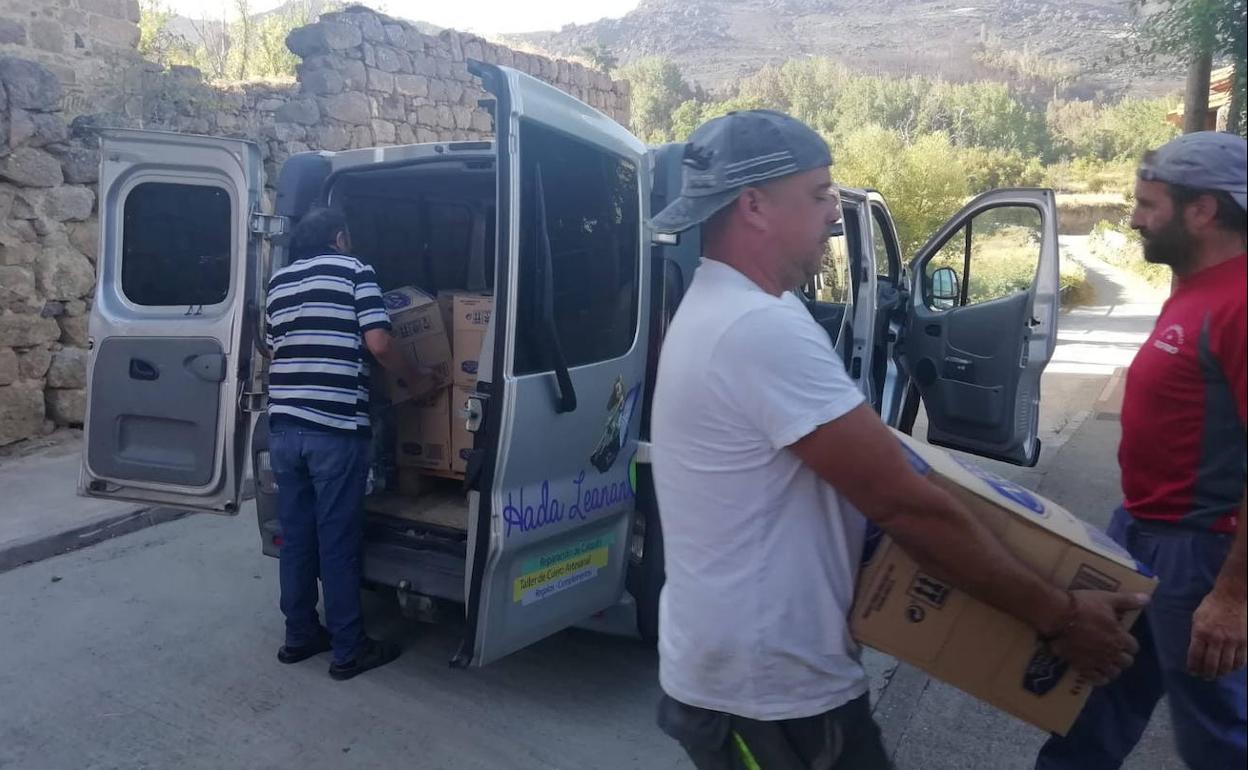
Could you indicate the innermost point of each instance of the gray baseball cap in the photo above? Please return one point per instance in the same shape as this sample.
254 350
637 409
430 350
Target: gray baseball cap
1205 160
729 153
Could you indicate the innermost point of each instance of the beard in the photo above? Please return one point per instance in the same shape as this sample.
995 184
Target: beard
1169 245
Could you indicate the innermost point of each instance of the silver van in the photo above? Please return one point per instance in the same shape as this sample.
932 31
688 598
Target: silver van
555 524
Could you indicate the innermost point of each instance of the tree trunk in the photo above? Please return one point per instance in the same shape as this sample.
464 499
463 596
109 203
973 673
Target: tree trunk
1196 99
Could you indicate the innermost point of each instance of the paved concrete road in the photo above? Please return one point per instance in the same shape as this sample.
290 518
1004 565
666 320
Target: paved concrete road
157 650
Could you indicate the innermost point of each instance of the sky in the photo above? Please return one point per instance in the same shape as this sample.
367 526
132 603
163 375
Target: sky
480 16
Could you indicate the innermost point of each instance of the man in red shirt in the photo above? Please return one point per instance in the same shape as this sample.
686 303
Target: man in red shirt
1183 460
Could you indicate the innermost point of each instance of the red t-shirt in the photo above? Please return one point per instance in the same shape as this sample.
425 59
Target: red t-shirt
1183 450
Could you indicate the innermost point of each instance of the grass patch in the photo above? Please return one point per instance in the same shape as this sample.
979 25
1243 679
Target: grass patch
1117 244
1089 175
1073 284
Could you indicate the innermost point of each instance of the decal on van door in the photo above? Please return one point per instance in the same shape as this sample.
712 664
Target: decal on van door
620 409
546 508
562 569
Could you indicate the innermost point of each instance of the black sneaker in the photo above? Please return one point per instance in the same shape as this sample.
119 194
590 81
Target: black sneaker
372 654
287 654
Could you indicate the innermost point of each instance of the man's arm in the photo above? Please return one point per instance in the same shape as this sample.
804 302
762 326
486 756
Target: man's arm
861 458
419 381
1220 625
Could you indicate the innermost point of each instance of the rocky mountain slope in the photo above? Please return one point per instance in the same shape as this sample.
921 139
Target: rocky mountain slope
718 41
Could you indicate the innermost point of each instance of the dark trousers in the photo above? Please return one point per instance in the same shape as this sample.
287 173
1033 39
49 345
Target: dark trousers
320 487
1209 717
845 738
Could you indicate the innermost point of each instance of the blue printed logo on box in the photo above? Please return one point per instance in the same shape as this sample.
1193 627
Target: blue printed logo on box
1006 488
396 300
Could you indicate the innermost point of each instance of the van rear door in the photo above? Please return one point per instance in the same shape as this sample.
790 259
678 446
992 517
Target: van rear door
170 338
560 402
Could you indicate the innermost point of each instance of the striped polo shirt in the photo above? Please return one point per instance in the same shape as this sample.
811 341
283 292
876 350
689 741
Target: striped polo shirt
317 311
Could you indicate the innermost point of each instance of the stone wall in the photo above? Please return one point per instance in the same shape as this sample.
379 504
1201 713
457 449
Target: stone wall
47 248
88 44
365 80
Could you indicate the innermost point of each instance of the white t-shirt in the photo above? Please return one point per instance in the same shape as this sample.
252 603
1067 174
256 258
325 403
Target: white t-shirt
761 554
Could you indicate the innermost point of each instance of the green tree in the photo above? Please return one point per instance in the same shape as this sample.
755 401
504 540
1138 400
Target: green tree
924 181
1122 131
156 41
656 88
252 46
1196 31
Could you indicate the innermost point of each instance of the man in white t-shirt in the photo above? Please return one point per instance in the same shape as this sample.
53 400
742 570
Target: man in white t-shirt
764 453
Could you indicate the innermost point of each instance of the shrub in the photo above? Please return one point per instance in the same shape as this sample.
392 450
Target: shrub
987 169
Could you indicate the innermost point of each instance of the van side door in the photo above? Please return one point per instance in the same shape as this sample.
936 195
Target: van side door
982 323
170 341
549 523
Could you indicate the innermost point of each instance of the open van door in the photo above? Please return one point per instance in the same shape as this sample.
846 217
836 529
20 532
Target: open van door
557 409
983 324
170 343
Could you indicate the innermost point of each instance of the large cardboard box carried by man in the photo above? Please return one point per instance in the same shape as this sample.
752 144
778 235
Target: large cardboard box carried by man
923 621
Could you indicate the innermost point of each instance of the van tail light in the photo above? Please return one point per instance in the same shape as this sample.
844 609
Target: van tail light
264 473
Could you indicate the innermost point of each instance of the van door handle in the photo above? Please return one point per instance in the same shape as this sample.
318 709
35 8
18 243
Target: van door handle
143 370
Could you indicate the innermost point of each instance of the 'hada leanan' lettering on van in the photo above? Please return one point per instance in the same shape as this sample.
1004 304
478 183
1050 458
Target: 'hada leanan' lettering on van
547 509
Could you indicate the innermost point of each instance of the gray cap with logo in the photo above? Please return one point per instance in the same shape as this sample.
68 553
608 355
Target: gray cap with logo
729 153
1205 160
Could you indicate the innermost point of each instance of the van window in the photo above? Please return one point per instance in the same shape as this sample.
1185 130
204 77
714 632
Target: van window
593 223
887 253
176 244
991 257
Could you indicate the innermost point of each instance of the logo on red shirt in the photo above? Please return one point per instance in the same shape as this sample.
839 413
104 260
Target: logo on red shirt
1170 340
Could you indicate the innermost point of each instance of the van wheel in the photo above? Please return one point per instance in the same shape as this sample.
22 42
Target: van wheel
646 573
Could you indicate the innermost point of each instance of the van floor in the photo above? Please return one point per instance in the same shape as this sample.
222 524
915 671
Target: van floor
443 508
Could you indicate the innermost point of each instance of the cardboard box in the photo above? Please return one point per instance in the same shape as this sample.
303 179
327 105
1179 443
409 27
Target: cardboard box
461 438
911 615
424 433
467 316
419 332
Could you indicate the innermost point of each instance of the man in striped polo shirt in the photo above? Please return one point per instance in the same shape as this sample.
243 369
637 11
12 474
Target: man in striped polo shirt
323 310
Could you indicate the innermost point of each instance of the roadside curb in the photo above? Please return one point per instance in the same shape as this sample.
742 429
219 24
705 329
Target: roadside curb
1108 405
40 547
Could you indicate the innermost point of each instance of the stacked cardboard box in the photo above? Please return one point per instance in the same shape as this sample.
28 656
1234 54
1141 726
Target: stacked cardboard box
424 435
467 316
432 435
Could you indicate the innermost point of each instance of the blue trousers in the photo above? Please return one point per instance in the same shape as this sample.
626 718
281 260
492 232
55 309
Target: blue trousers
1209 717
320 488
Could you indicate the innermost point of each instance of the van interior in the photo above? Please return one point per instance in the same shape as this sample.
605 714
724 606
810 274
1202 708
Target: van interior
428 224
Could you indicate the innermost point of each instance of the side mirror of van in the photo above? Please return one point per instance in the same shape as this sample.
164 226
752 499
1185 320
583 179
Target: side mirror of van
945 289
